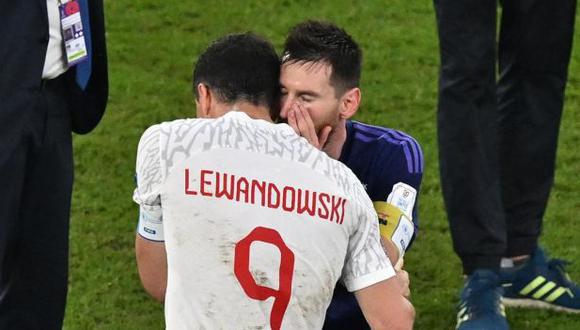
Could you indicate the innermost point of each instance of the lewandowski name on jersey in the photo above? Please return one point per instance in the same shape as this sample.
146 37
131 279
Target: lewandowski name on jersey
213 184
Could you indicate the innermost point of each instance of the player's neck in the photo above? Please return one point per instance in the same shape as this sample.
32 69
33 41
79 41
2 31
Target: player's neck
253 111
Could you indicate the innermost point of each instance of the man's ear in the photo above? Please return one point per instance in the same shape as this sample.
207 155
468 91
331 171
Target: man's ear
349 103
204 101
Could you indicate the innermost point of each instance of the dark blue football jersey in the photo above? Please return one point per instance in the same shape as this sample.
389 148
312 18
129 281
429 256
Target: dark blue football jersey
381 158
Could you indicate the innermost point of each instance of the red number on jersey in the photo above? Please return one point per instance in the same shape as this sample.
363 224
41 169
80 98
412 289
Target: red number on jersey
258 292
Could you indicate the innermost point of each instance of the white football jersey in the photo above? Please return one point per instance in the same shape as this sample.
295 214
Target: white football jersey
258 224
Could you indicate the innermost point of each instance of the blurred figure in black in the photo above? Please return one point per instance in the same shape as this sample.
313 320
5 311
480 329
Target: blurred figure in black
497 145
43 98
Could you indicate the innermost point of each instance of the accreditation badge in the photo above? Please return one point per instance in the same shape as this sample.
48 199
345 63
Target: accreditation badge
72 31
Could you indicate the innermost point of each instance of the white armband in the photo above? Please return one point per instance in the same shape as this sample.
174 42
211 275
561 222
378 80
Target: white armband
151 223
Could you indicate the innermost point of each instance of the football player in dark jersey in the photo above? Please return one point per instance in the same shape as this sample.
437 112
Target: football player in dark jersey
319 79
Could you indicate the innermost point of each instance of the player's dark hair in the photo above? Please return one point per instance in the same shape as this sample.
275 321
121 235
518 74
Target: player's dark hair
323 42
240 67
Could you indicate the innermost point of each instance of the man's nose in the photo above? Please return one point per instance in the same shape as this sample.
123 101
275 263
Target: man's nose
285 106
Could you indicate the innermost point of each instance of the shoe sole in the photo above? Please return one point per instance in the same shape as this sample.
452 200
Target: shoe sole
531 303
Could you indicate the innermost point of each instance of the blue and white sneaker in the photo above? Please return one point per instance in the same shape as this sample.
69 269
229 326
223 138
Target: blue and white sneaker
480 307
541 283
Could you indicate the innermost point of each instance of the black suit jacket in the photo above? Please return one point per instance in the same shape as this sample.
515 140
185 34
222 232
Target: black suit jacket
23 42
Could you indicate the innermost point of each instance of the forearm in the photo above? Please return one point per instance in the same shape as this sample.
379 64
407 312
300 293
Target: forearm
152 266
385 307
402 316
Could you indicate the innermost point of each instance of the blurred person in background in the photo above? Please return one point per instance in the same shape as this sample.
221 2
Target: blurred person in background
497 149
50 86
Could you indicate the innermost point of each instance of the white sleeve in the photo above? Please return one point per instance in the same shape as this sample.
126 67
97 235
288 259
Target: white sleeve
366 262
149 176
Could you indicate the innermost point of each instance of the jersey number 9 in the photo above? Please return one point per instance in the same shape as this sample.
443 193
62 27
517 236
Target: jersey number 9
247 281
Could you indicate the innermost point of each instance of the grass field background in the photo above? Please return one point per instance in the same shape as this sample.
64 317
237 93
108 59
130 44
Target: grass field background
152 46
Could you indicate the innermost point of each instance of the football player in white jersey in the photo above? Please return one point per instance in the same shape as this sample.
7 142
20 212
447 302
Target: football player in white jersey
244 224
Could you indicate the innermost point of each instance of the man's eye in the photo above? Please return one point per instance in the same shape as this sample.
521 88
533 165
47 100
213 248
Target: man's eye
305 98
283 92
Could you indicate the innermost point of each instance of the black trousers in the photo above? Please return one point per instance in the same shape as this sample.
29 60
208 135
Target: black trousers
36 175
498 135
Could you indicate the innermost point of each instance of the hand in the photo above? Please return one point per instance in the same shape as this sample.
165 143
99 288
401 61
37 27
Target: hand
336 139
402 278
329 139
400 264
299 119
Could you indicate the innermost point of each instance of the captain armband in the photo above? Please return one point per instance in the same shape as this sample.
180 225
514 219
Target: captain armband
395 225
151 223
